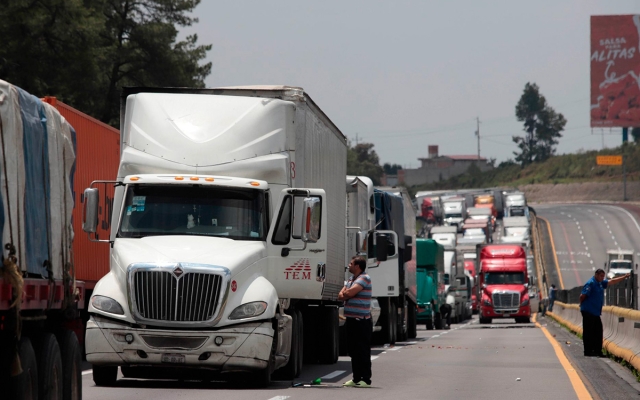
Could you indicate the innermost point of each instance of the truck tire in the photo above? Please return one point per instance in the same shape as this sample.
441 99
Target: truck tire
291 369
50 375
105 375
300 334
485 320
437 321
26 385
402 322
393 325
429 325
331 327
71 365
412 320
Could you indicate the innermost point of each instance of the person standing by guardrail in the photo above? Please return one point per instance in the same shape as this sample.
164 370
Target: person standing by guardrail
552 296
591 301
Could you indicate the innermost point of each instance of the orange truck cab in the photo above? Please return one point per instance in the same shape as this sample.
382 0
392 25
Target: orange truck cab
504 283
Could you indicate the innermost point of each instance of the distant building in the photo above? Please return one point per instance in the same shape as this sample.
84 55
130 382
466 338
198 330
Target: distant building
437 168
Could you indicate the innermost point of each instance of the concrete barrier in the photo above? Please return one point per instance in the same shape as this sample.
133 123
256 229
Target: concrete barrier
621 329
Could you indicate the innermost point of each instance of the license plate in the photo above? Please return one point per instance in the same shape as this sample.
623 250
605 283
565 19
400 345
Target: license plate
173 358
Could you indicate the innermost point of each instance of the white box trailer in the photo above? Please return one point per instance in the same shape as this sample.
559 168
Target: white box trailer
233 199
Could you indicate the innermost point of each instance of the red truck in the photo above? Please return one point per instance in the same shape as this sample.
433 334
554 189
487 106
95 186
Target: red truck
427 211
504 283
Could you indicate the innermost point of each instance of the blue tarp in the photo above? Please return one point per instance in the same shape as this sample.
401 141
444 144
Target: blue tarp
37 189
390 214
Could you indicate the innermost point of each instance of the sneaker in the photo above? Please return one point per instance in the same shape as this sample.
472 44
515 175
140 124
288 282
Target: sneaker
349 383
363 384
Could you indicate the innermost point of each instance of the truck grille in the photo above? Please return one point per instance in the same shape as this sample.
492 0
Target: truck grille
506 300
163 296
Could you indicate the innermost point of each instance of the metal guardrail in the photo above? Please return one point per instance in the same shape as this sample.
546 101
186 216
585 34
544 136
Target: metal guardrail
622 294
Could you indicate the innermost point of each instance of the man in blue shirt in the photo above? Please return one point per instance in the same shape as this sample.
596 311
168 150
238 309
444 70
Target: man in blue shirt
552 296
591 301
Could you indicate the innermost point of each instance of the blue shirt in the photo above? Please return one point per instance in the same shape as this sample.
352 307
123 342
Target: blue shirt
552 293
594 291
360 305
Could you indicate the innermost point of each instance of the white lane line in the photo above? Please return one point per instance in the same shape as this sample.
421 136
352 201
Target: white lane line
591 261
628 214
333 374
613 237
88 372
616 243
410 343
280 398
582 237
373 357
587 248
393 349
584 243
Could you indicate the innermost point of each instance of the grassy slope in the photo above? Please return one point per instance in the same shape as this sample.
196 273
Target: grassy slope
566 168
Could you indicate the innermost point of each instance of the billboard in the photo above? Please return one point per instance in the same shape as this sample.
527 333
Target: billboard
615 67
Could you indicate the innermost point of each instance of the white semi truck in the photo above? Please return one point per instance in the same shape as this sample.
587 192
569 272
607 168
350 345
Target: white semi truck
455 211
619 262
447 237
227 246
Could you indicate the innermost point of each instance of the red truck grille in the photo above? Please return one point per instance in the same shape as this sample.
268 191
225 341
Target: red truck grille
508 300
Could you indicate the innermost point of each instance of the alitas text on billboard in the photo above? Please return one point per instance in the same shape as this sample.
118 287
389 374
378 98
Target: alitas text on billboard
615 67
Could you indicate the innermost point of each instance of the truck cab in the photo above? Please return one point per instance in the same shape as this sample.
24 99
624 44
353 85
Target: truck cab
504 283
619 262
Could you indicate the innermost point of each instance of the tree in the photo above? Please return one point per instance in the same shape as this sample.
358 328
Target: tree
363 160
542 125
85 51
390 169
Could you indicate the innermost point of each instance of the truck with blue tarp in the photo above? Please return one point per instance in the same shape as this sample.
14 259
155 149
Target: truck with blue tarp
430 278
394 280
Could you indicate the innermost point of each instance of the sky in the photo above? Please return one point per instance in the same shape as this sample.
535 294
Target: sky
407 74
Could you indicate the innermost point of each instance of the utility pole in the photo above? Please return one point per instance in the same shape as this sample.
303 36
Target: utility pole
478 135
356 138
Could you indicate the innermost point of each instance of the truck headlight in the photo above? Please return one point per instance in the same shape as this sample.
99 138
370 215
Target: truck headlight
107 304
249 310
525 302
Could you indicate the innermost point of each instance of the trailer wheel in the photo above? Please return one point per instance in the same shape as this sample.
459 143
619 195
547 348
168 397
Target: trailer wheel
26 385
105 375
412 317
50 374
437 323
71 365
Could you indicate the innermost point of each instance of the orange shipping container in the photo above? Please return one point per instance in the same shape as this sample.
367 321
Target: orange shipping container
97 158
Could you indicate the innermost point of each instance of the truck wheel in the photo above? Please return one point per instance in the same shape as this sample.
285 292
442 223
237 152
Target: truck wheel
290 370
26 385
332 336
412 317
105 375
485 320
429 325
393 314
71 365
49 367
437 321
300 334
402 323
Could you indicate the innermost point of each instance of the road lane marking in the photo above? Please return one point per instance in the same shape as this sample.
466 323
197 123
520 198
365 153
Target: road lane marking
280 398
333 374
374 357
573 260
574 378
628 214
555 254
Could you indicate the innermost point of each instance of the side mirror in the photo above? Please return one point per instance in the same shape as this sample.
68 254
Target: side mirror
312 212
90 220
382 244
361 242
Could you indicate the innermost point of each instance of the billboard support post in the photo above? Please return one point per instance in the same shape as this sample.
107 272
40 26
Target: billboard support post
625 135
624 179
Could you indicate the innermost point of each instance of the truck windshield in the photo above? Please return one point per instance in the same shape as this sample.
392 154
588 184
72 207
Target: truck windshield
620 264
504 278
152 210
453 215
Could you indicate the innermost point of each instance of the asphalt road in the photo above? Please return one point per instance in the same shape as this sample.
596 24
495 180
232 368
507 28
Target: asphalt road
582 234
469 361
